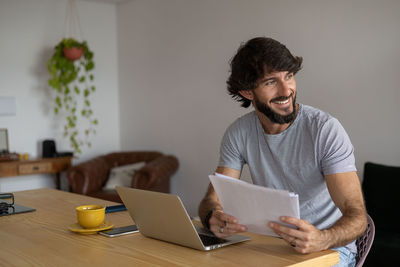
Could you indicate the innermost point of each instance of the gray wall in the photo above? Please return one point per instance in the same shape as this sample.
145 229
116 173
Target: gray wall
173 64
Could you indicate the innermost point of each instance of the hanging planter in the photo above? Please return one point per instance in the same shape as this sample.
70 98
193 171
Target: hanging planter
71 77
73 50
73 53
72 81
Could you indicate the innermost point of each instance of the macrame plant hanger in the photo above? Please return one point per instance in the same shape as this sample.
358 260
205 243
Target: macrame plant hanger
72 26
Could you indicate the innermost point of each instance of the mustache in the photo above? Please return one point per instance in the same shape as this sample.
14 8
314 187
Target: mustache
282 98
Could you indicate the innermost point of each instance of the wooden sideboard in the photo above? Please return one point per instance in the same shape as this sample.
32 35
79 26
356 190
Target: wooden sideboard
28 167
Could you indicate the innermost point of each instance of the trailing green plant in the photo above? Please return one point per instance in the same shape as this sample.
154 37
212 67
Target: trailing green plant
72 82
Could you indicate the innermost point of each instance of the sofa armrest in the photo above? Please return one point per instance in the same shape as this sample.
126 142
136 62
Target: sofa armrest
155 172
88 176
128 157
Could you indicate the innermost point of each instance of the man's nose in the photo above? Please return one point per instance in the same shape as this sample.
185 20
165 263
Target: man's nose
285 88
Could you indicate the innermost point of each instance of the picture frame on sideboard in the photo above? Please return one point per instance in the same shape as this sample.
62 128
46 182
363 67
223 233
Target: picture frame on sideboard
3 141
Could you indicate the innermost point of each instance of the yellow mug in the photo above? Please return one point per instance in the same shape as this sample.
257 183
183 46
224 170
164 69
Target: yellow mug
90 216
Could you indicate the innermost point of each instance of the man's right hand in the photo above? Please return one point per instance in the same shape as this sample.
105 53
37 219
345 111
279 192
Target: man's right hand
224 225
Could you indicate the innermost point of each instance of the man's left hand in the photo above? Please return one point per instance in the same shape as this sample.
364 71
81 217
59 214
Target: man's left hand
304 237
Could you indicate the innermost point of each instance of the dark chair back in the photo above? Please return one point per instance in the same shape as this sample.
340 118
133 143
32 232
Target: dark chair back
380 186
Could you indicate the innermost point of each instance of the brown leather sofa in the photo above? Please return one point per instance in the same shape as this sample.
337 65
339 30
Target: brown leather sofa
88 178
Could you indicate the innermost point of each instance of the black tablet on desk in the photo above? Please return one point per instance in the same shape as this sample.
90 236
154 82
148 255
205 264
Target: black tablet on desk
8 207
15 209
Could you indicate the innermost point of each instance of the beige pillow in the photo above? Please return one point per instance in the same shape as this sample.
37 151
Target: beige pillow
122 175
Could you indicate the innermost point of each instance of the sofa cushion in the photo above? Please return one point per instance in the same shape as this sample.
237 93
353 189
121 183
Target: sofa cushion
122 175
110 195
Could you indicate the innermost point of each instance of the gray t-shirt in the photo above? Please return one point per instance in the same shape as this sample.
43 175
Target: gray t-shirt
295 160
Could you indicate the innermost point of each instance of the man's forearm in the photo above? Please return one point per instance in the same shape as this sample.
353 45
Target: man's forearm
345 191
209 202
346 229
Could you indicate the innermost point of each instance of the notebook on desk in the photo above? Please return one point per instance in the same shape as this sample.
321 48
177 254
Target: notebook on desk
162 216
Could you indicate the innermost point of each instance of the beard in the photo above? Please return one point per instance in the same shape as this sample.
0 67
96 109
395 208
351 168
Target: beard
272 115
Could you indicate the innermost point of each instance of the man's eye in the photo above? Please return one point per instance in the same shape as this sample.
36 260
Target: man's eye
289 76
270 83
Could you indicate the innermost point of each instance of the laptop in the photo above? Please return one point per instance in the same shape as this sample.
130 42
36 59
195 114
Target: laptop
162 216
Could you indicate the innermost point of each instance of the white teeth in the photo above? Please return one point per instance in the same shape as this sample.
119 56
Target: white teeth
282 102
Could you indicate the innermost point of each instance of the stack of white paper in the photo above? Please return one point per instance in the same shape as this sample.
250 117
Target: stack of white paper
253 205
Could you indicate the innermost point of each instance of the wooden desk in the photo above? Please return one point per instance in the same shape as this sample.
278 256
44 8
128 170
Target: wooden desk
28 167
42 238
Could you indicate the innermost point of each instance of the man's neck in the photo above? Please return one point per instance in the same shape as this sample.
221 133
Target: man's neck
272 127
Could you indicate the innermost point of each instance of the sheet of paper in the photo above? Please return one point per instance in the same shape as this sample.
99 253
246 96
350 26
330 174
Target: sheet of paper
254 205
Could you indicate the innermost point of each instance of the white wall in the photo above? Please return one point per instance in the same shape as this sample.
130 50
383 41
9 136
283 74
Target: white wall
173 62
29 29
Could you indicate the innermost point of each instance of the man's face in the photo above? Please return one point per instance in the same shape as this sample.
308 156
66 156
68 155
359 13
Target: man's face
275 97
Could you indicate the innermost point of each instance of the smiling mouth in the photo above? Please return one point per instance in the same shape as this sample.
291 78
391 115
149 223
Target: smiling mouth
282 100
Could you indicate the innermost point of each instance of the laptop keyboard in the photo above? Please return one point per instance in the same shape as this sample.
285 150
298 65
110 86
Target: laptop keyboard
211 240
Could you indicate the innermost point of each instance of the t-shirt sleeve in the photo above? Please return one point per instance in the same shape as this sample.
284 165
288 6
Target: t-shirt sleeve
336 150
229 154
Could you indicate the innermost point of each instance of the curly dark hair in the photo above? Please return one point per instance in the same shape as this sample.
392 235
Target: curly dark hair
253 60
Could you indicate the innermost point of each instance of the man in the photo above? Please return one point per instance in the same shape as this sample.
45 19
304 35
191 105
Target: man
289 146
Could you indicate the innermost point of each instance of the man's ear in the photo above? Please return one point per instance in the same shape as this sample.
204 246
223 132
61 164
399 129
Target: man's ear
248 94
